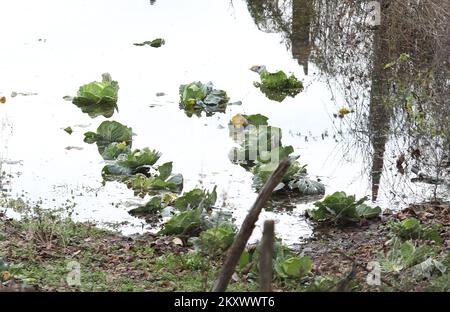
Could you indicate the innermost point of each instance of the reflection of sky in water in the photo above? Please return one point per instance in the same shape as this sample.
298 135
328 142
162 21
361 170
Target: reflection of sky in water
206 41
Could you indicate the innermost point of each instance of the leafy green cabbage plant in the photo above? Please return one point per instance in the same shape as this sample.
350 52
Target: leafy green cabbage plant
259 140
287 265
109 132
194 207
98 98
196 97
340 209
411 228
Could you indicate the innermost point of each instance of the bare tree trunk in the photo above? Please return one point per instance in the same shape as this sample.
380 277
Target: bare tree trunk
247 227
266 256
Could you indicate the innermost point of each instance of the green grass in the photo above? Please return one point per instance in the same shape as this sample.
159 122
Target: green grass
41 249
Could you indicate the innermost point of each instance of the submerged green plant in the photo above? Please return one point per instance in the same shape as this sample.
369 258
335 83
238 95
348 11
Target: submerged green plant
98 98
132 162
261 151
142 184
107 133
114 150
153 206
196 97
196 198
277 86
68 130
195 217
185 223
340 209
134 167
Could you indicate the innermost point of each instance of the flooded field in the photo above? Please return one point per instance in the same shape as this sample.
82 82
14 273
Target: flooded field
56 51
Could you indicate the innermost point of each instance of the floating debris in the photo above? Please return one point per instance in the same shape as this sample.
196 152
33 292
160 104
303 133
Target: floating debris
77 148
14 94
156 43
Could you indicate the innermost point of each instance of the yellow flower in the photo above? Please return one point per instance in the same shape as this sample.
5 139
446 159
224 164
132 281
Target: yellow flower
344 111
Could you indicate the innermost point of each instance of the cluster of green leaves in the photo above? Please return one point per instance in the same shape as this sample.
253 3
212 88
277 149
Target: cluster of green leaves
192 207
259 140
294 180
254 136
210 232
155 43
196 198
194 215
152 207
412 229
98 98
440 283
163 180
341 209
217 238
421 259
277 86
131 162
109 132
196 97
286 263
135 167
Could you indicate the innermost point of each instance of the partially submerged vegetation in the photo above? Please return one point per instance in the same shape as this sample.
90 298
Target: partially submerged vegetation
98 98
135 167
261 151
277 86
197 97
110 132
338 208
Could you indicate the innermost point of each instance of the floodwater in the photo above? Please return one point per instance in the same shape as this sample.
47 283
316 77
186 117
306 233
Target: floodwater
52 47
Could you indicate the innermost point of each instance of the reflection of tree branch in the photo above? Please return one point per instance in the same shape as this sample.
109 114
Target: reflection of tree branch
351 55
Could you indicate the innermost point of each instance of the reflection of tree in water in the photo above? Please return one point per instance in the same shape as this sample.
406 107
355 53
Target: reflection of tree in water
403 108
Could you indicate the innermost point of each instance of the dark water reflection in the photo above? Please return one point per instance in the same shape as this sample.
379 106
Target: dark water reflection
340 39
